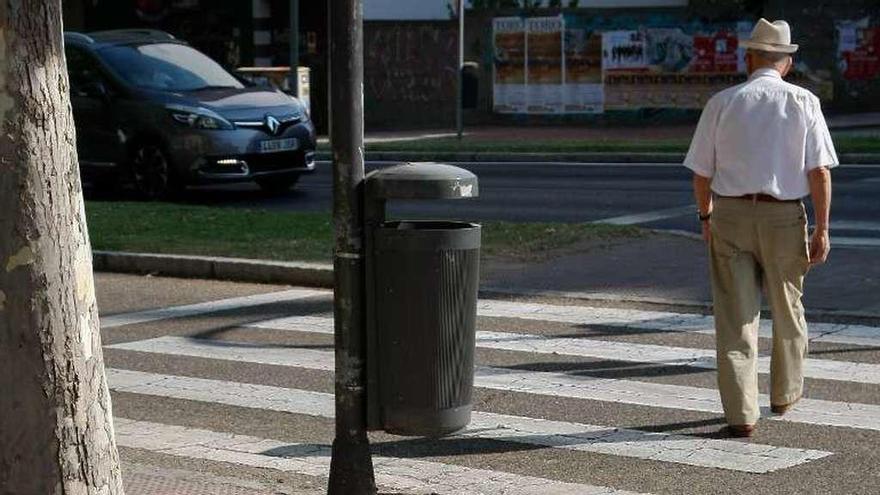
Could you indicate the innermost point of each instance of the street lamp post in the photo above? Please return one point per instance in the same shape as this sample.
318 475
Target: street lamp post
351 467
293 77
459 124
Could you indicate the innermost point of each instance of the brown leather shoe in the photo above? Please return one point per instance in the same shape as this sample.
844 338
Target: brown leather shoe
741 431
783 408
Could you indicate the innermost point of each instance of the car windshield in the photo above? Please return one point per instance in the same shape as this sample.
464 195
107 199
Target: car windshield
168 66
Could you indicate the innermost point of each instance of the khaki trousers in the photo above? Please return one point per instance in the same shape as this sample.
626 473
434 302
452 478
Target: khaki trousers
758 244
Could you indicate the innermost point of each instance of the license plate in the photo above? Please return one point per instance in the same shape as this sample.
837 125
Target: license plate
275 145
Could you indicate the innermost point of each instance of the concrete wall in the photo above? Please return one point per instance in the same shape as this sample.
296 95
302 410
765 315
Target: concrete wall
814 28
813 24
409 74
408 10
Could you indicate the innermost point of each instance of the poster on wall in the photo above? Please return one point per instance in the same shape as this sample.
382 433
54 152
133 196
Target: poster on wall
669 49
583 90
570 65
544 64
623 50
715 52
858 50
509 88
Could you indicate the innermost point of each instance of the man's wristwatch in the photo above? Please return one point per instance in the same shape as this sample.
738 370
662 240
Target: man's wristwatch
704 218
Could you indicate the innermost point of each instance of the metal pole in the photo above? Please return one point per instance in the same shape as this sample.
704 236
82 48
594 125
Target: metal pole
293 78
351 467
459 124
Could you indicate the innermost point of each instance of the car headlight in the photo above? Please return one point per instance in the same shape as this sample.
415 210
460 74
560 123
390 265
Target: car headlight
198 118
299 112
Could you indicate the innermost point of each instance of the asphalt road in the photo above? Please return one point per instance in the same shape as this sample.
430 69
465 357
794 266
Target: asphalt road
226 398
659 195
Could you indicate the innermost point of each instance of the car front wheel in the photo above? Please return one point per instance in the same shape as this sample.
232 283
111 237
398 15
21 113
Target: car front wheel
151 172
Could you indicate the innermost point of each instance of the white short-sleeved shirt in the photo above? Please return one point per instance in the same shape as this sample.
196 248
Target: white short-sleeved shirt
762 136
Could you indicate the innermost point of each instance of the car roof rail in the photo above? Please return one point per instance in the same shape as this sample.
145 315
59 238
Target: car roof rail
72 36
128 34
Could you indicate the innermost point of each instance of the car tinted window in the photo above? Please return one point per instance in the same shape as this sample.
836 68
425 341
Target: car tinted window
167 66
82 70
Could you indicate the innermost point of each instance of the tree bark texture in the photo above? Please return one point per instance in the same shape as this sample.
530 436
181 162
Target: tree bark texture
56 425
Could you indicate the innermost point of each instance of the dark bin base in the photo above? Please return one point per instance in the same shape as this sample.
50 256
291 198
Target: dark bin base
426 422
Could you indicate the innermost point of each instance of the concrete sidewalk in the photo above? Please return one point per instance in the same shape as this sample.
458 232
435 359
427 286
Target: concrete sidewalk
677 131
659 268
674 269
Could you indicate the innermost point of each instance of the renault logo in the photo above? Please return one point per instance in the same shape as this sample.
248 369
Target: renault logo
272 124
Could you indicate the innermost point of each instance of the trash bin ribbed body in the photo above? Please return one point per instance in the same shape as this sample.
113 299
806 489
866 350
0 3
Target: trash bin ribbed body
426 298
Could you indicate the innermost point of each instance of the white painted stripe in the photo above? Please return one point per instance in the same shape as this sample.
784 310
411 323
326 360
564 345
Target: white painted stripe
208 307
807 411
314 460
233 351
823 369
650 216
662 321
810 411
681 449
855 224
855 241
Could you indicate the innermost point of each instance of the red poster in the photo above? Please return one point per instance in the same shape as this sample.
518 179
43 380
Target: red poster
715 53
863 62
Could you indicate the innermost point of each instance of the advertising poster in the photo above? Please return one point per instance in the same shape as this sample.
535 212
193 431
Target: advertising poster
583 71
544 64
509 86
623 50
669 49
715 53
858 51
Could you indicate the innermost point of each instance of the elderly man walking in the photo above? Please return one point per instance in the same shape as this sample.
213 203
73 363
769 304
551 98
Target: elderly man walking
759 148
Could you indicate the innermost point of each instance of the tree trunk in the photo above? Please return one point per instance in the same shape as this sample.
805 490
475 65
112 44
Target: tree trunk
56 426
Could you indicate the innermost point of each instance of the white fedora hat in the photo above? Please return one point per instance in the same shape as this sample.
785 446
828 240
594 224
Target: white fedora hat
770 37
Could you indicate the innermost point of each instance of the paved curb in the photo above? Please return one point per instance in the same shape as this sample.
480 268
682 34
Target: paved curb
234 269
595 157
321 275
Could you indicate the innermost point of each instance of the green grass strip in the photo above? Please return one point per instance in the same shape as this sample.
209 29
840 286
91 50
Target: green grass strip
260 234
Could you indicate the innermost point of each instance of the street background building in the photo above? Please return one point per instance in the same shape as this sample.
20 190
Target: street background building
599 62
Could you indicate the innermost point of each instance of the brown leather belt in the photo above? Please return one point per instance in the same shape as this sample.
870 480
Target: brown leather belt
762 197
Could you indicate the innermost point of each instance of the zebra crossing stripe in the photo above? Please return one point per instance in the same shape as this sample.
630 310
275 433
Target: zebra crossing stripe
809 411
314 460
150 315
625 318
839 333
681 449
822 369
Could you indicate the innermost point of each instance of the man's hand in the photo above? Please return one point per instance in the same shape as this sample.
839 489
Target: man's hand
820 245
707 231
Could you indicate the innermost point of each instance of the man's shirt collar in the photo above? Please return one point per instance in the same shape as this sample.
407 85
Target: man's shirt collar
766 72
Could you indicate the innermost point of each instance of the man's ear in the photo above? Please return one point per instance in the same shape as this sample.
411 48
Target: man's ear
788 66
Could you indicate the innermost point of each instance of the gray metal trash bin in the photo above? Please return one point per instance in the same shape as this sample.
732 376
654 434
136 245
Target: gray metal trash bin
422 282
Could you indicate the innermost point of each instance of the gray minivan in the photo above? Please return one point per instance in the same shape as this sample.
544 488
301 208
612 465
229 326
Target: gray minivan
151 109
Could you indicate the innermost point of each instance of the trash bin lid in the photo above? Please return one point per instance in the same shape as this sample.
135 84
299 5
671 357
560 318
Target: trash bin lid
422 180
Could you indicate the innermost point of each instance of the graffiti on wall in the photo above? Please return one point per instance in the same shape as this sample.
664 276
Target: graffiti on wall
623 65
395 71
